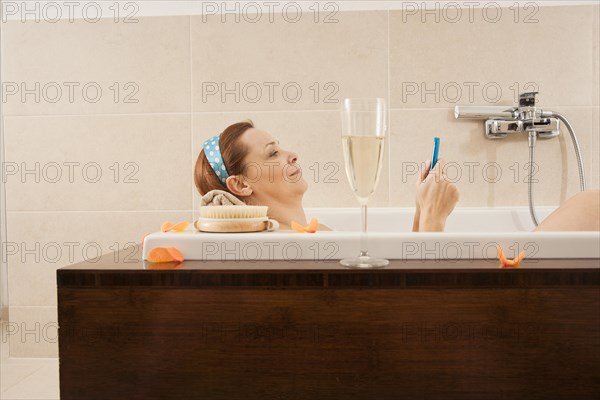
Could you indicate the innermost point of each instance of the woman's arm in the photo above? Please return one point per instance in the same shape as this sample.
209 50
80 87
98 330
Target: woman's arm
417 217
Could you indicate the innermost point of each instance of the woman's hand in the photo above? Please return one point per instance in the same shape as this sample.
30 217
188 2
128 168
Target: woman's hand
436 198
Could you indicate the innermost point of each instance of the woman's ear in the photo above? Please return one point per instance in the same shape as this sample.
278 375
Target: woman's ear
238 186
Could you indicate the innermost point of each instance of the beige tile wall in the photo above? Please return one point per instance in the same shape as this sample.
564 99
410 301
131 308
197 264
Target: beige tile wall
151 129
98 163
595 167
152 56
337 58
596 46
495 58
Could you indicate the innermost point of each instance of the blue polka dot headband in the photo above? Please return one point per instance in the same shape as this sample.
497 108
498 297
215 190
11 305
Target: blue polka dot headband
213 155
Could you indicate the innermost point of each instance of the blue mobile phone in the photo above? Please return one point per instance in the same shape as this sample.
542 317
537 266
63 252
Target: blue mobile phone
436 150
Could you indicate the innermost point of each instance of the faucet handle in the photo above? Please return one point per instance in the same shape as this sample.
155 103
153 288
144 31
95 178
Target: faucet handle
527 99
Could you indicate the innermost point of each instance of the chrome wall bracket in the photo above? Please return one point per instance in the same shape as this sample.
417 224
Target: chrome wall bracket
502 120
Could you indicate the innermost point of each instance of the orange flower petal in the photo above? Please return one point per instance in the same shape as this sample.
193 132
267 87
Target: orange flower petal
159 254
166 226
520 257
176 254
180 226
312 227
162 254
514 263
501 255
297 227
510 263
164 265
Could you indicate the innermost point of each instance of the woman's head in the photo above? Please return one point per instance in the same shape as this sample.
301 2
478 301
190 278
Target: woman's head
259 170
233 153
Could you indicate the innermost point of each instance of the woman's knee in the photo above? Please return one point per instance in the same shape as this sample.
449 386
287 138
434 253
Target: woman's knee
589 197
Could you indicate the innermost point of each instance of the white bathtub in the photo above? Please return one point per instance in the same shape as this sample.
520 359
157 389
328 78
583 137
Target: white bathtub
471 233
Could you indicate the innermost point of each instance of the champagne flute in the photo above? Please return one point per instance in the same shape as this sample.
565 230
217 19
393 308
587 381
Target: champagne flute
364 125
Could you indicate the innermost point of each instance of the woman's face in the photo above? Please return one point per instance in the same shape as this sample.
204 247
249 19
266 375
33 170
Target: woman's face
272 172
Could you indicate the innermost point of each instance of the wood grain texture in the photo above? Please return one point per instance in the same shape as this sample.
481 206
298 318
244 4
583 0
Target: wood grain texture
275 331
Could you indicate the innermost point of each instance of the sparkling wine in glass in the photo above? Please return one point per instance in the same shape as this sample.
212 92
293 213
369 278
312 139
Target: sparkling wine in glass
364 125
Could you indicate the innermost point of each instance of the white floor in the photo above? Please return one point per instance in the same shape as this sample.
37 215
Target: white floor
27 378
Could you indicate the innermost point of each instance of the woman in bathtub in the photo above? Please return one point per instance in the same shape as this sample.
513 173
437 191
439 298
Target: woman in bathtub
281 188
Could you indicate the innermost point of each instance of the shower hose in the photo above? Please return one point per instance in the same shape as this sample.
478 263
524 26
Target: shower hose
532 139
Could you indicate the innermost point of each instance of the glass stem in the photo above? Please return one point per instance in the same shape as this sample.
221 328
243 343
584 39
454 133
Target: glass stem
363 236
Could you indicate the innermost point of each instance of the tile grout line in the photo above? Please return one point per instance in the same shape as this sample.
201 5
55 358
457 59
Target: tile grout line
191 111
45 361
449 107
4 292
90 211
589 181
31 306
389 99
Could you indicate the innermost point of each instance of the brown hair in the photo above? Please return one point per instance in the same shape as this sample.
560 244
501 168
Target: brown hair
233 153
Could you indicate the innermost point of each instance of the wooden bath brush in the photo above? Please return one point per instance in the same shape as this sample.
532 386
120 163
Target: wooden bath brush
236 218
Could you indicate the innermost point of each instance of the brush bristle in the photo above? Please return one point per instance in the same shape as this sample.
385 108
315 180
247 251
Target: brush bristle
227 212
